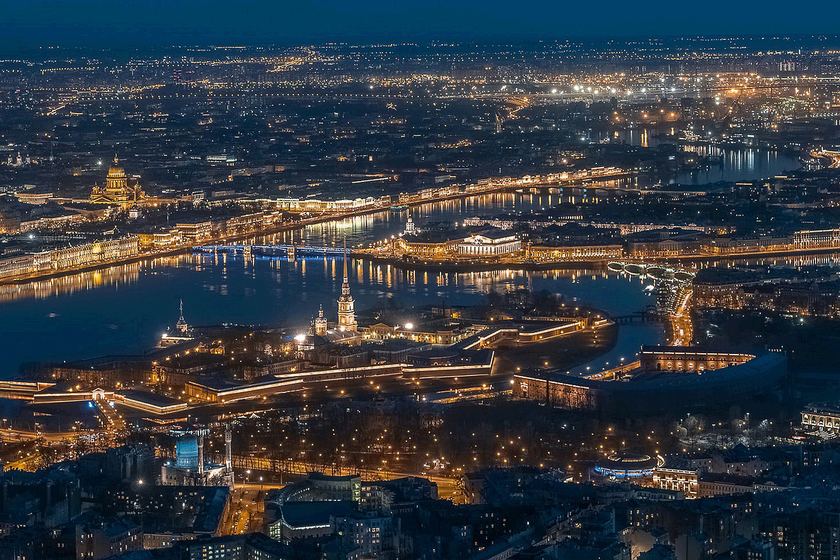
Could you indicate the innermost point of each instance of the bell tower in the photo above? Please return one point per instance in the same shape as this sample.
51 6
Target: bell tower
321 323
346 304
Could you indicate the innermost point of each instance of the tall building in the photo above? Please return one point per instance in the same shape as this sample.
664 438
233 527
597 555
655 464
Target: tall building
346 304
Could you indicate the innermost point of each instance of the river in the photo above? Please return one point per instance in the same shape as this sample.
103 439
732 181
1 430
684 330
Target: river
123 310
127 312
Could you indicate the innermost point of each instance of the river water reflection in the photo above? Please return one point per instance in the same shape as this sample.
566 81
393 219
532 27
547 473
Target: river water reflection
124 309
94 314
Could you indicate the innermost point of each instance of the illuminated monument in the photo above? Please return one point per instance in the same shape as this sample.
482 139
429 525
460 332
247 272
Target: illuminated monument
346 304
119 189
190 467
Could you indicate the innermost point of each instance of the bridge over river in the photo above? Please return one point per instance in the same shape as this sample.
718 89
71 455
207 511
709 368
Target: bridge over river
290 251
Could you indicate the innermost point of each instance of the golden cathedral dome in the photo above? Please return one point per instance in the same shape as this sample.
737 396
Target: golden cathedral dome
115 171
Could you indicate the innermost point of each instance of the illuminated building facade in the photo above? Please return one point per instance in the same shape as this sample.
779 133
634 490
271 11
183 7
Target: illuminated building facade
727 295
415 248
321 323
190 467
69 258
346 304
626 466
675 358
315 205
119 189
381 331
160 239
639 392
192 232
575 253
816 239
92 253
821 418
681 480
489 244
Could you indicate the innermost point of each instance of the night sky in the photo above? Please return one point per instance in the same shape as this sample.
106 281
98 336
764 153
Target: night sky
167 22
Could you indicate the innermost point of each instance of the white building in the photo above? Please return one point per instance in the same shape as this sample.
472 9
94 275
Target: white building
489 243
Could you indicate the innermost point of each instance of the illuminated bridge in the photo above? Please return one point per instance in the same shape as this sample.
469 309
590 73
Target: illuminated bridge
656 271
291 251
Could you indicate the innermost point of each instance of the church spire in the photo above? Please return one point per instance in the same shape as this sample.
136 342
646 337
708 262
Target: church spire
182 326
346 305
345 286
345 259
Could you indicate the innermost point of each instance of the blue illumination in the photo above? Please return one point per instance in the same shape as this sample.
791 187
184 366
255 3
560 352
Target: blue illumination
623 473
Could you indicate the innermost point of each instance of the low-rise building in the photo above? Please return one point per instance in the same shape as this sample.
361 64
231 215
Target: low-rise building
821 417
100 538
489 243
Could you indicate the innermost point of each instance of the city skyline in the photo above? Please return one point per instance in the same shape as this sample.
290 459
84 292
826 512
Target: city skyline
293 281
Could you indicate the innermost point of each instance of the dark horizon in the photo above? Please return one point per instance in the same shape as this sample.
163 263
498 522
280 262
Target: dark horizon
153 23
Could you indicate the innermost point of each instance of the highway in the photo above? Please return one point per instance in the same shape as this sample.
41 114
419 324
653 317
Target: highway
830 159
12 435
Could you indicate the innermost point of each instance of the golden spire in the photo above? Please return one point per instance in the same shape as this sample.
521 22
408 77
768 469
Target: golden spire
345 258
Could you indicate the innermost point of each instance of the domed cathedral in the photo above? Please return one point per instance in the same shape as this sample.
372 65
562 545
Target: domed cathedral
119 188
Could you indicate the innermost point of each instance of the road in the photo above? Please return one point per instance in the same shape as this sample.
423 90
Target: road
681 326
247 508
832 157
448 486
245 514
24 457
12 435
